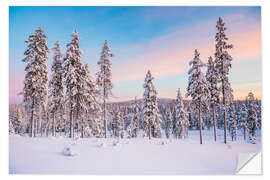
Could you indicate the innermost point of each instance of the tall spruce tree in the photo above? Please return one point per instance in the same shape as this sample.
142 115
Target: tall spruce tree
36 77
74 82
93 109
232 125
244 117
104 79
133 127
181 117
168 123
211 77
198 87
222 65
150 110
252 117
56 87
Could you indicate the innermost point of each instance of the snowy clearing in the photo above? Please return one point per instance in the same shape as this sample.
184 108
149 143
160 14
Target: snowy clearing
128 156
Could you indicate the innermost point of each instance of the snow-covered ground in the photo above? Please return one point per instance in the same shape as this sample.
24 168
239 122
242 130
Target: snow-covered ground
131 156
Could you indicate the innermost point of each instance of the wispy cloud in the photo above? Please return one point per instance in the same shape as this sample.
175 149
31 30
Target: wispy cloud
169 54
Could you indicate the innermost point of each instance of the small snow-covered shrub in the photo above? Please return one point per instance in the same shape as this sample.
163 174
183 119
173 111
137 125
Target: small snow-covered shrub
252 140
68 151
116 143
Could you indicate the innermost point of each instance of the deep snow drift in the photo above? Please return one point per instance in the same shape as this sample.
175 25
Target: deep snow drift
128 156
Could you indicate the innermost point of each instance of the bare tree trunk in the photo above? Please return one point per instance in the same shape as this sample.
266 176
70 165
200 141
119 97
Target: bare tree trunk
71 125
104 114
32 123
200 121
35 127
244 133
224 114
149 130
53 125
214 121
82 131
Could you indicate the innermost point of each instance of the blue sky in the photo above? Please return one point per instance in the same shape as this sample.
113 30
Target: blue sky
161 39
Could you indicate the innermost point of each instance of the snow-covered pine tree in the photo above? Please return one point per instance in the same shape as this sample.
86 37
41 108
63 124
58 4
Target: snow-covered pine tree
244 117
117 124
133 127
104 79
211 77
198 87
11 129
36 77
252 117
150 109
181 117
258 109
93 109
232 126
168 123
222 65
74 75
56 87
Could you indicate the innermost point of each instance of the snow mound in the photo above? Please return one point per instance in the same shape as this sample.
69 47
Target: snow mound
116 143
229 146
102 145
76 138
68 151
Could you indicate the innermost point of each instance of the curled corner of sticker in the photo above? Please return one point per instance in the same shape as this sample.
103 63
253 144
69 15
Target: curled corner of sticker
249 163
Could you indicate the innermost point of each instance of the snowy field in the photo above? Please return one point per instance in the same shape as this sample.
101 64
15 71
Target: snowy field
131 156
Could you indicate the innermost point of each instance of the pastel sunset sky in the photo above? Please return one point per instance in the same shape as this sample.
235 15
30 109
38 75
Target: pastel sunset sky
161 39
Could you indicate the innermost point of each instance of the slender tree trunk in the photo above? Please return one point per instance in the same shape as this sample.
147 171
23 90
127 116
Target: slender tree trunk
53 125
224 113
244 133
214 121
149 130
200 121
82 132
71 125
104 115
35 127
32 123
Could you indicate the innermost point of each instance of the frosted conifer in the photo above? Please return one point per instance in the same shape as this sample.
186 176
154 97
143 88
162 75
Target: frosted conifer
36 77
222 65
252 118
93 109
232 126
211 77
168 123
74 81
56 87
181 117
151 116
198 87
244 118
104 79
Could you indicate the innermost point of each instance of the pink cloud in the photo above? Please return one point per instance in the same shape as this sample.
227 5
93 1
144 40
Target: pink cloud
169 54
15 87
